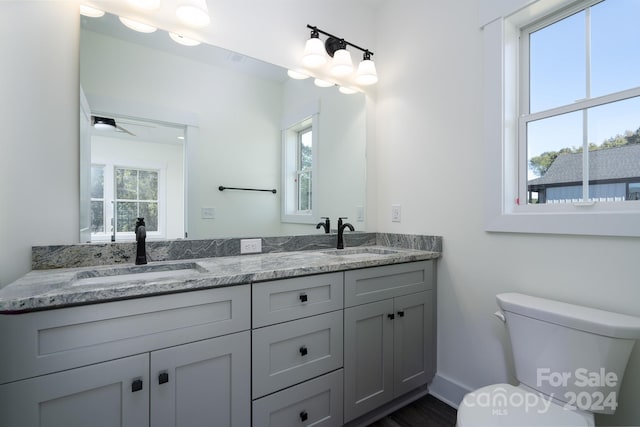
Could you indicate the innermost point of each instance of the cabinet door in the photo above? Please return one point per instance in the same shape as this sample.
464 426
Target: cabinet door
204 383
412 341
368 357
101 395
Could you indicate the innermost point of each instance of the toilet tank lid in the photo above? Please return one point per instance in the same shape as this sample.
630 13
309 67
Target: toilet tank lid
586 319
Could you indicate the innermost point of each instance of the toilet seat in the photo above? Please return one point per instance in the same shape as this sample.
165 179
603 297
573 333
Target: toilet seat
506 405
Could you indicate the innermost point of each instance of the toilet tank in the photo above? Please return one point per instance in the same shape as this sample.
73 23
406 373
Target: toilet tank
576 355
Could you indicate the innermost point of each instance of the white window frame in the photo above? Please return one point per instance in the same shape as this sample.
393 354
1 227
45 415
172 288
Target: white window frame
505 184
305 118
109 197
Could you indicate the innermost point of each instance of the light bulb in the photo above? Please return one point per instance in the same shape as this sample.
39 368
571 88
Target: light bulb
137 26
347 90
342 64
193 13
322 83
297 75
367 74
314 54
90 11
145 4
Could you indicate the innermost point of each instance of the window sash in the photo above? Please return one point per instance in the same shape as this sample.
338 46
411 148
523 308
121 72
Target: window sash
583 105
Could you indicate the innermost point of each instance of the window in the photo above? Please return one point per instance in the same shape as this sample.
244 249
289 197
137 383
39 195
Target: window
563 141
580 112
120 195
299 167
304 170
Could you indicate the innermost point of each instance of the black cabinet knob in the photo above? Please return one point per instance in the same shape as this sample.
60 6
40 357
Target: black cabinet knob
163 378
303 297
401 313
304 416
136 385
303 350
391 316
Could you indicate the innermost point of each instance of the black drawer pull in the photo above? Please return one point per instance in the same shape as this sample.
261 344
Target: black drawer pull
401 313
163 378
303 297
136 385
303 350
304 416
391 316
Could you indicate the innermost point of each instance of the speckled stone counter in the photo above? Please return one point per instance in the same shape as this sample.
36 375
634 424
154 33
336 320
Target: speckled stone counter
46 289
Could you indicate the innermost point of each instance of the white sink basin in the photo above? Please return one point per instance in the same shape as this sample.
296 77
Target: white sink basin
362 252
145 272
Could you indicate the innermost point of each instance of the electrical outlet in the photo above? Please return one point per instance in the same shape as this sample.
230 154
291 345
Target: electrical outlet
208 213
250 246
359 213
396 213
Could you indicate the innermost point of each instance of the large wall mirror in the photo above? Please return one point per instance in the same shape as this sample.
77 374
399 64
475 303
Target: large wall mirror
191 119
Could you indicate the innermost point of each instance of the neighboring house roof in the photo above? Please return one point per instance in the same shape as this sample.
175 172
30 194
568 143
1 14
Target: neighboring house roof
610 163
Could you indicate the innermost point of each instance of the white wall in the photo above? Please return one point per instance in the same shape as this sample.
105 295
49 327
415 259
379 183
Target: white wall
429 159
39 92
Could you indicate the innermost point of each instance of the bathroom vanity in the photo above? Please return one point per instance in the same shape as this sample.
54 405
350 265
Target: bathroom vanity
283 339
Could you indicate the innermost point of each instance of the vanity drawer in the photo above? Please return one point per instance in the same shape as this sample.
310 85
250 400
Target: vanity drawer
48 341
282 300
292 352
388 281
317 402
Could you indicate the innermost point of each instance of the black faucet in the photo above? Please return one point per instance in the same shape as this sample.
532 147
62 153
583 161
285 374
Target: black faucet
141 236
341 228
326 224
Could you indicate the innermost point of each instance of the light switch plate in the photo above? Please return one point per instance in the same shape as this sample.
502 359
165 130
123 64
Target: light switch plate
208 213
396 213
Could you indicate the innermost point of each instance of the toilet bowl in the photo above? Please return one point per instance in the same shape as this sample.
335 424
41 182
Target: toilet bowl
569 362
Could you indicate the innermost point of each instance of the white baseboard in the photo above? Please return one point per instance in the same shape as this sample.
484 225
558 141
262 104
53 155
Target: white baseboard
448 390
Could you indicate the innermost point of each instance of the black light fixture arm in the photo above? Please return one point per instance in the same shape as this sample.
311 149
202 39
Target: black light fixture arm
366 51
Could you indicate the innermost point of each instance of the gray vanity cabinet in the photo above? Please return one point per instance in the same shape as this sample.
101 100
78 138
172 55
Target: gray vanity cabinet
167 360
297 352
100 395
389 334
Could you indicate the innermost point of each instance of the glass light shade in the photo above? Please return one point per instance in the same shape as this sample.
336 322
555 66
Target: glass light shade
347 90
137 26
367 74
297 75
342 64
145 4
314 55
322 83
193 13
90 11
183 40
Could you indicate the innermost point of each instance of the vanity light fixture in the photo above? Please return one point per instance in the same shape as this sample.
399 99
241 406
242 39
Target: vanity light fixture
137 26
315 55
322 83
297 75
347 90
91 12
193 13
314 51
145 4
185 41
103 123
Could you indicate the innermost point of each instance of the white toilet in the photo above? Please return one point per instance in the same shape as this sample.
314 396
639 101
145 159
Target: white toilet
569 361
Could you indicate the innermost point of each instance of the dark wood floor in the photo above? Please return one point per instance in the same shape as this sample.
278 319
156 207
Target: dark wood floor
425 412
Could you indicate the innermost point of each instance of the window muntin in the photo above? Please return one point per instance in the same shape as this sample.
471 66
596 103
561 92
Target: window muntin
569 116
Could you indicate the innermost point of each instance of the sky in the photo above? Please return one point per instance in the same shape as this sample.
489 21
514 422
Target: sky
558 75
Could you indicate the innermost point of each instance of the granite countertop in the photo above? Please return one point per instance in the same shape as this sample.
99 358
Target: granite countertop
46 289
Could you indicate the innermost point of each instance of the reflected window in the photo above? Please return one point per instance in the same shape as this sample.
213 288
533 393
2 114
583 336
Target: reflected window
299 170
